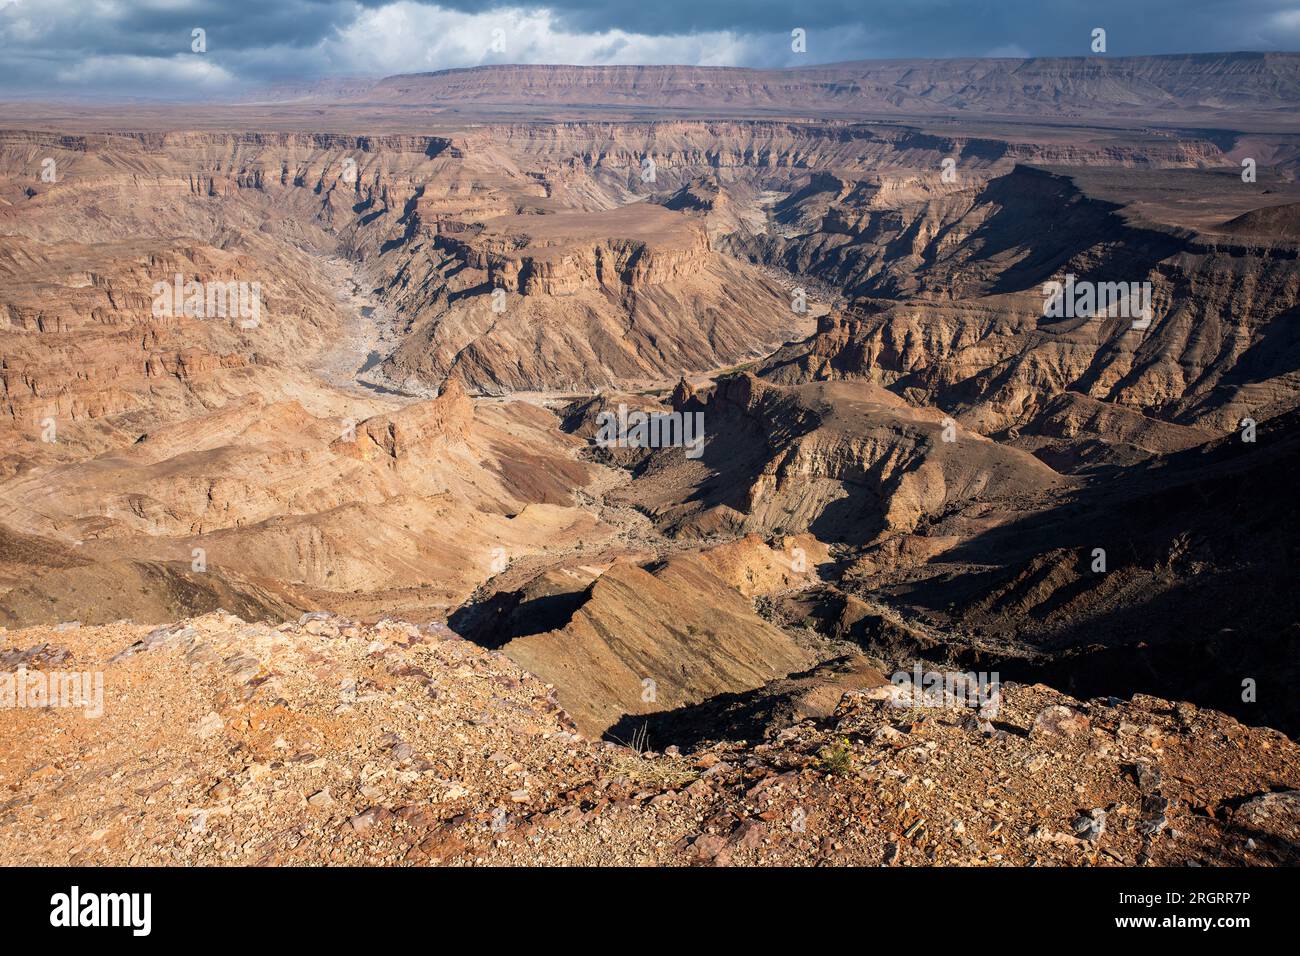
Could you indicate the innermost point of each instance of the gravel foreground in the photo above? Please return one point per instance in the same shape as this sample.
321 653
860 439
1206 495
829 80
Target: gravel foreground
326 742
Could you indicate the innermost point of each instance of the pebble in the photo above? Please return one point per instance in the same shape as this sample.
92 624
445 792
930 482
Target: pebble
209 725
1091 825
1060 721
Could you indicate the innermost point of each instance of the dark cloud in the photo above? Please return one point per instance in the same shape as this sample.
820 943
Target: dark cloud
947 28
72 46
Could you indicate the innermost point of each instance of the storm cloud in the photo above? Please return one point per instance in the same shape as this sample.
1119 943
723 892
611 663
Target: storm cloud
146 47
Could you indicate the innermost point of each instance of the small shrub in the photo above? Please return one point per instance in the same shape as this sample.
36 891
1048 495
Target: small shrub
836 759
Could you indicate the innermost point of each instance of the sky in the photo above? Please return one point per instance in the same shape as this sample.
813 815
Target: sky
149 47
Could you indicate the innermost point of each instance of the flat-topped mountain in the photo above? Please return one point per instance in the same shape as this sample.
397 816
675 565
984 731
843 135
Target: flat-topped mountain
1039 86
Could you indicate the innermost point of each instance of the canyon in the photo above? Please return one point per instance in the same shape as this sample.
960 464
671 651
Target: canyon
396 476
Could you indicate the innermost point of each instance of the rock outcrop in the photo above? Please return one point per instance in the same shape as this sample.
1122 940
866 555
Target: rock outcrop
646 640
848 461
